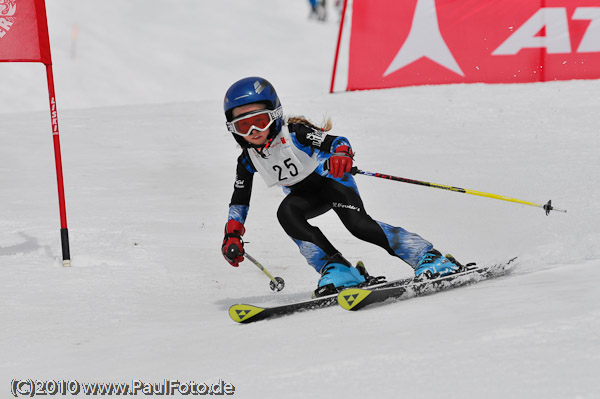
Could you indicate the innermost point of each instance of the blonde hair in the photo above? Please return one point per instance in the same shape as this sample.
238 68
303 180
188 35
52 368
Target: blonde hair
327 125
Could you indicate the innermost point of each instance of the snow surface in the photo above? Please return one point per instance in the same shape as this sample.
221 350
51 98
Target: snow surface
149 169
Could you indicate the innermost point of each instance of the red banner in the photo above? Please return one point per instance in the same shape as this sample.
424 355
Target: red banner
24 31
414 42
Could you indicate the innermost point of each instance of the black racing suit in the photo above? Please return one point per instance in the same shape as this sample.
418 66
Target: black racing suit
318 193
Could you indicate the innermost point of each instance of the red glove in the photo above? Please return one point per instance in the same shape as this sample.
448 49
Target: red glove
341 161
233 246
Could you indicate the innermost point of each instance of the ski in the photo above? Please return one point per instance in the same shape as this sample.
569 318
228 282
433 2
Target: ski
246 313
243 313
358 298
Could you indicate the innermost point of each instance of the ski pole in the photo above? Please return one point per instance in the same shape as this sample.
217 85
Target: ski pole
277 283
547 207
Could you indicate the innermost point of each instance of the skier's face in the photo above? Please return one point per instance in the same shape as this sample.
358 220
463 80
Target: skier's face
256 137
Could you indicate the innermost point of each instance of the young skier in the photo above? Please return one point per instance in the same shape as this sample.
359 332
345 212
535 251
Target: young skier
318 9
313 168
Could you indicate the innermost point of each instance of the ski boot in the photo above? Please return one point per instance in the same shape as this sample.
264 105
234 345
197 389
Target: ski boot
434 265
338 274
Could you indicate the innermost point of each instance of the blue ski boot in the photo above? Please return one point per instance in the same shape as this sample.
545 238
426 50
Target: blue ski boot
336 275
433 264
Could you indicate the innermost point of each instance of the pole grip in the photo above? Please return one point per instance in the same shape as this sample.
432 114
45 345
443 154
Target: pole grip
234 251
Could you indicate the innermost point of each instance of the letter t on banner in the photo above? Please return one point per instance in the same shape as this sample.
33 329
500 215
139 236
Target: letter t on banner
24 38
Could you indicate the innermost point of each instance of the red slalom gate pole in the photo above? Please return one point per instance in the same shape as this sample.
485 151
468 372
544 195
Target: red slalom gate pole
64 232
337 48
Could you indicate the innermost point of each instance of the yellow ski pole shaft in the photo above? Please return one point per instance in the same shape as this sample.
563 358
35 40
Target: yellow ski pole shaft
547 207
261 267
277 283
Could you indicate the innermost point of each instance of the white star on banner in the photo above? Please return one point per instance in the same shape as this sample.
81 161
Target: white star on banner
424 40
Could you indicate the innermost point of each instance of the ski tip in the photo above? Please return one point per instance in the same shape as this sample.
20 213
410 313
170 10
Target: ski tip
243 313
350 298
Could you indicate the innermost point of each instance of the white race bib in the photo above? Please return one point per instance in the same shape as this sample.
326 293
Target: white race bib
284 163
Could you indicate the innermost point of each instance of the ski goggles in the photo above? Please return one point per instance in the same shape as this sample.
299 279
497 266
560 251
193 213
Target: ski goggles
259 120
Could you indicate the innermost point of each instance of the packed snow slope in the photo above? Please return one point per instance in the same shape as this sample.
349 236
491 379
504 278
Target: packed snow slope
149 170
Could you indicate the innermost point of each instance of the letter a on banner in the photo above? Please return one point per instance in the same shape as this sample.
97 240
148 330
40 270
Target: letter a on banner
24 38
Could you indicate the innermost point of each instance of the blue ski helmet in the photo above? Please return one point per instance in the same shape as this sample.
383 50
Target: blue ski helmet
249 91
